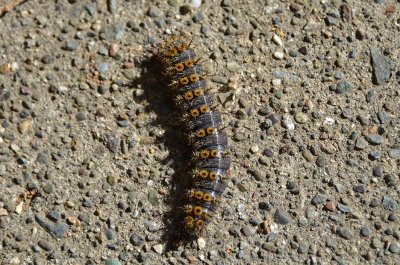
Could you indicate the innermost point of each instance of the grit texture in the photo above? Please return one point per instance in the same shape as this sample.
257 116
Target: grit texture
91 143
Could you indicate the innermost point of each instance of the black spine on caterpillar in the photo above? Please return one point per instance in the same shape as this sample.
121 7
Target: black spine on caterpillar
187 80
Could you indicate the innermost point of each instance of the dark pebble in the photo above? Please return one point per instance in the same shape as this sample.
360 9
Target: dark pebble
381 67
392 217
42 158
377 171
268 152
54 215
374 155
360 34
264 206
80 116
375 139
359 188
365 231
318 199
136 240
59 229
70 46
303 50
45 244
352 54
342 87
389 204
345 233
281 217
383 117
390 180
142 257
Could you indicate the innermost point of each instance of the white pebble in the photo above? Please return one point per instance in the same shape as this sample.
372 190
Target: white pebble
18 208
202 257
62 89
329 121
195 3
201 243
14 66
15 148
278 55
255 149
287 122
276 82
158 248
3 212
150 183
15 260
277 40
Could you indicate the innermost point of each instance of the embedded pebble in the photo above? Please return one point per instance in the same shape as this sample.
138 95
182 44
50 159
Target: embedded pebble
345 233
136 240
25 126
287 122
279 55
361 143
158 248
201 243
394 153
233 66
301 117
281 217
389 203
277 40
94 157
374 139
112 262
381 67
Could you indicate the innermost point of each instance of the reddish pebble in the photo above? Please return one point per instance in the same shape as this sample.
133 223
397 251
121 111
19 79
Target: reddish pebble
25 90
330 206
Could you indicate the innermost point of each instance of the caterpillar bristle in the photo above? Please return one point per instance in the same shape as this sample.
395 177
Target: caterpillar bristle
210 164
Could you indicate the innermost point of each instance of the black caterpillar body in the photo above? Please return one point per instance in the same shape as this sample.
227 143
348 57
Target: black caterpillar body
187 80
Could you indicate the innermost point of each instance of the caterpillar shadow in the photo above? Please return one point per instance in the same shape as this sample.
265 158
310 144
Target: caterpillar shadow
161 101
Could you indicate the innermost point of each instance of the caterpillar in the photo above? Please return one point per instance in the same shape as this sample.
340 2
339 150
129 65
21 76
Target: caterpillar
187 80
